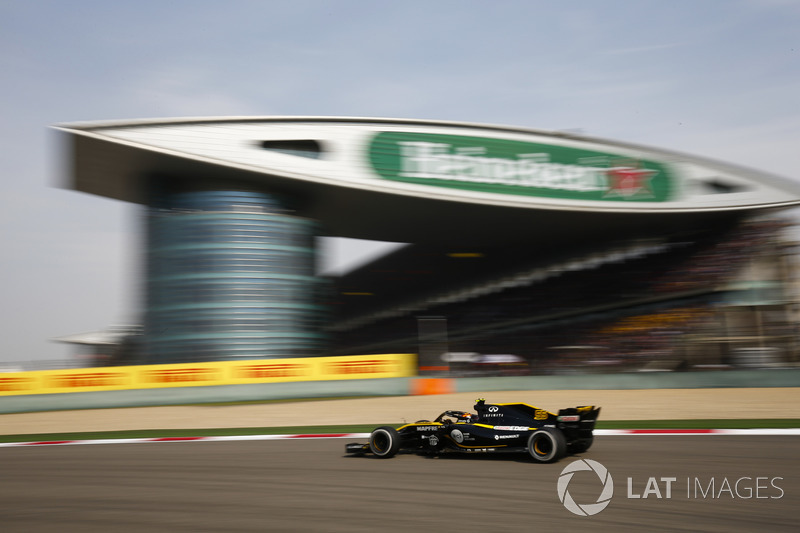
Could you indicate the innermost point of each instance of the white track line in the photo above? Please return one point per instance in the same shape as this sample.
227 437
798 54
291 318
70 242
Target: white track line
684 432
599 432
185 439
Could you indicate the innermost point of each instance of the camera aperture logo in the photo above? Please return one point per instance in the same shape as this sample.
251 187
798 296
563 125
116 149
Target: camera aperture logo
742 488
586 509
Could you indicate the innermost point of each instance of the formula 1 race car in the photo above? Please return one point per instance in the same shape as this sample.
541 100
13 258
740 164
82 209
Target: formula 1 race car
505 427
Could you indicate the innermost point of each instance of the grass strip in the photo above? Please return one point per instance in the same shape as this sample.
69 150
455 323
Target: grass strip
366 428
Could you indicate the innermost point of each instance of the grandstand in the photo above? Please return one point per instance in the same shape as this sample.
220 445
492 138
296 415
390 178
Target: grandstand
531 252
641 305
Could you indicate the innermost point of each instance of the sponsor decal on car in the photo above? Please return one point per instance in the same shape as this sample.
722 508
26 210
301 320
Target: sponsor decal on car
541 414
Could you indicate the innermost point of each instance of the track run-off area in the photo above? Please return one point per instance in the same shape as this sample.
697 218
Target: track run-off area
694 480
620 405
699 482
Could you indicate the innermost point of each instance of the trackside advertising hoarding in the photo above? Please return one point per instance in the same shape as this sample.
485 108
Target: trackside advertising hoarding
208 374
514 167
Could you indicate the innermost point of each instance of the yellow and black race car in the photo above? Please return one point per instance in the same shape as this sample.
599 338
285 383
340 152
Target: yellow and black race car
505 427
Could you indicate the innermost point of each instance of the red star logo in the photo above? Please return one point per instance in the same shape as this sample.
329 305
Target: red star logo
629 181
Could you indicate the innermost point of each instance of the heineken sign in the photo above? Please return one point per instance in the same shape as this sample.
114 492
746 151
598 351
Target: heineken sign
517 167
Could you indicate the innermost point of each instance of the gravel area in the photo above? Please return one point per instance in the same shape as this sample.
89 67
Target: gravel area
650 404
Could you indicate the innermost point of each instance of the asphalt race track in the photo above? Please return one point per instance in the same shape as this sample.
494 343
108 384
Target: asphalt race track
309 485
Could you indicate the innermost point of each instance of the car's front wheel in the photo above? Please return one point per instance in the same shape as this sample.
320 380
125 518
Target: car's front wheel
547 445
384 442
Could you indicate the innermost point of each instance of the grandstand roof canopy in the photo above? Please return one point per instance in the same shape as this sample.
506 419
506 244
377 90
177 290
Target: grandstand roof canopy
440 183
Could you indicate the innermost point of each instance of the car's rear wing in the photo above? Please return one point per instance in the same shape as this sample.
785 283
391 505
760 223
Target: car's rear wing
581 419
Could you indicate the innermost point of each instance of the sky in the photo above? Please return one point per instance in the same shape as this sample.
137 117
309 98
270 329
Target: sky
716 78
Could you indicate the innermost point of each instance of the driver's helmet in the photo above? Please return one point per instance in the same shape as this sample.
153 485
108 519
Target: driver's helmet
467 418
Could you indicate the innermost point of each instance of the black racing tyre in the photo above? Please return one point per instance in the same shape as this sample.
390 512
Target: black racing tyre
547 445
384 442
580 445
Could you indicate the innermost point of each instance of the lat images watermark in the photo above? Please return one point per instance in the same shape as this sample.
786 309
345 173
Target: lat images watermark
713 488
666 488
587 509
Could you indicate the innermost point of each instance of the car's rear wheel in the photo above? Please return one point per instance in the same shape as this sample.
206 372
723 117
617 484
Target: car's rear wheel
547 445
384 442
